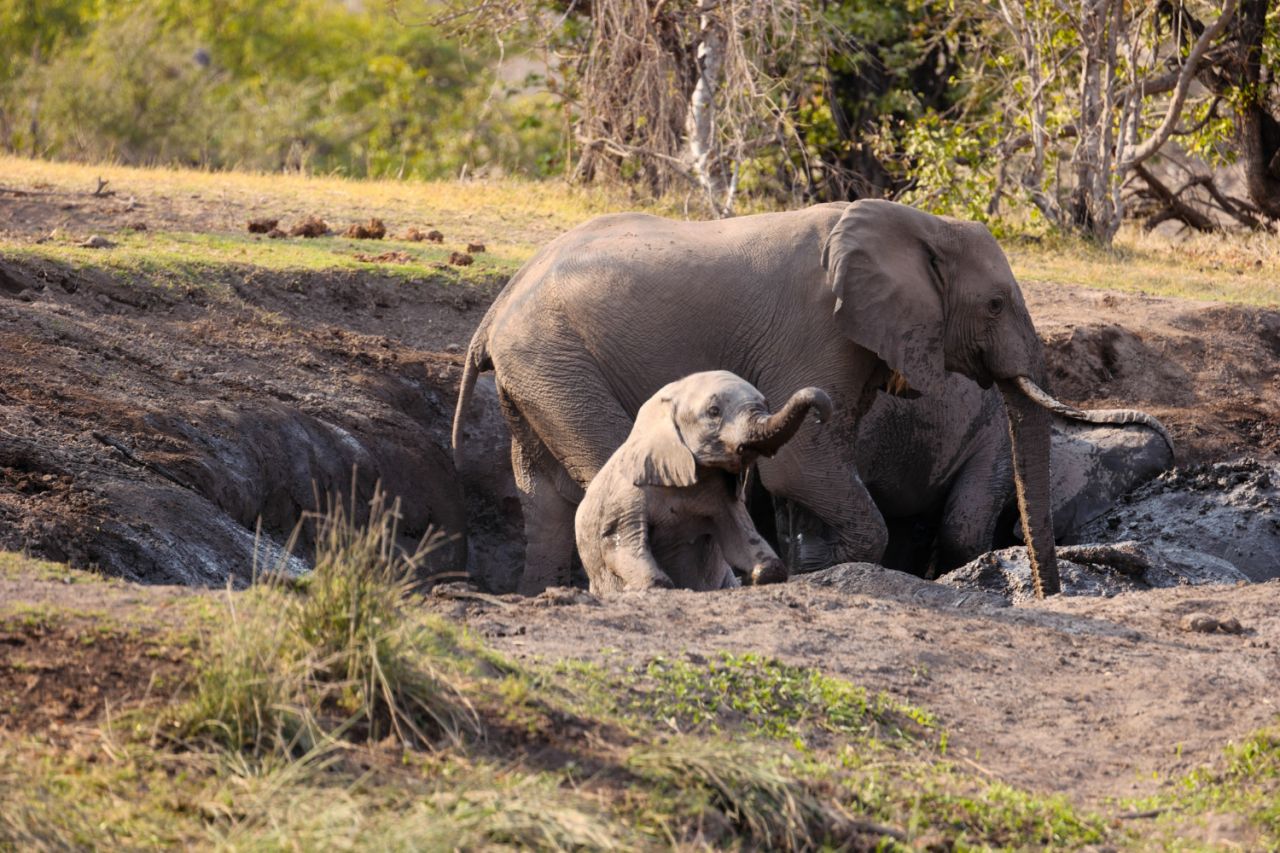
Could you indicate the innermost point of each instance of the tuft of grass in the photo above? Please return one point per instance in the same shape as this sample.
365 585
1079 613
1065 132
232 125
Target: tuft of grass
1246 784
338 657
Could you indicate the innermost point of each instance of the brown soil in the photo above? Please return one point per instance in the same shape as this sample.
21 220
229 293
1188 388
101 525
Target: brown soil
145 429
78 652
1088 697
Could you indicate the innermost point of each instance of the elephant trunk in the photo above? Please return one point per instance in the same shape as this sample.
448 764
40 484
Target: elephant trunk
1114 417
1029 433
767 434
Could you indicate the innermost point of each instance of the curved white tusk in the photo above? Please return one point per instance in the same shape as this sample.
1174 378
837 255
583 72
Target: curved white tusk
1115 417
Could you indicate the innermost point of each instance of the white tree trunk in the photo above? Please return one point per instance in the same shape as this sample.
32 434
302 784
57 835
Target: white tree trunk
704 152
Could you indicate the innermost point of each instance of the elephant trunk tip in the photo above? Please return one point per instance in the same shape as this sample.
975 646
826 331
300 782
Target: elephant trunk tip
769 433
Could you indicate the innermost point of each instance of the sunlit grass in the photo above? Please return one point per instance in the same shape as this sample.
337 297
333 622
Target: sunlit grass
1243 268
193 259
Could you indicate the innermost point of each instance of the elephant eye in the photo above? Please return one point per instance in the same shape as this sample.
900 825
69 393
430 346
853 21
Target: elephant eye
995 305
713 411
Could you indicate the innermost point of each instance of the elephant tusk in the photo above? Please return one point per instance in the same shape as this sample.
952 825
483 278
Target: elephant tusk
1115 417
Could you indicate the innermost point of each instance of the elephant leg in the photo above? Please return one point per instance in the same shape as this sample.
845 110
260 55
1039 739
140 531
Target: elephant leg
979 494
839 522
548 512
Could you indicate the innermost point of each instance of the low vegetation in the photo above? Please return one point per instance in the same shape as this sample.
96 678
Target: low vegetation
334 711
196 232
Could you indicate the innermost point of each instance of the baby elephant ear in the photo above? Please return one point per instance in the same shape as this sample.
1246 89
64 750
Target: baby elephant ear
883 265
663 459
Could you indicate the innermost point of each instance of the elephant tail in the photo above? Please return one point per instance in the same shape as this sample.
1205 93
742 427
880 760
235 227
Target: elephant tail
477 361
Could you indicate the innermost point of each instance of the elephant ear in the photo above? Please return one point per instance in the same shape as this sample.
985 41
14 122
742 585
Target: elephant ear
882 263
662 458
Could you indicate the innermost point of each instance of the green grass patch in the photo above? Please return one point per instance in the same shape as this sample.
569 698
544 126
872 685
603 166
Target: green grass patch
764 697
202 261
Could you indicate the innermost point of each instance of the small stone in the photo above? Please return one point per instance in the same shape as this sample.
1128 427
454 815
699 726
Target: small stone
1199 623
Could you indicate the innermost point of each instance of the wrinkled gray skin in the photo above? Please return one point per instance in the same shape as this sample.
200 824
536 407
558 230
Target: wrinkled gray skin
666 509
835 296
948 458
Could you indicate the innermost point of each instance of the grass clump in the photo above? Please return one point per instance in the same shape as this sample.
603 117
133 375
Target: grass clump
339 656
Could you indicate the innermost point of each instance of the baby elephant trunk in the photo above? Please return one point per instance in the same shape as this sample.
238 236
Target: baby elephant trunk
767 434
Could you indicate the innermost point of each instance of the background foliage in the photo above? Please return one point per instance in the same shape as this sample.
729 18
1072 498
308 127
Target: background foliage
968 107
315 85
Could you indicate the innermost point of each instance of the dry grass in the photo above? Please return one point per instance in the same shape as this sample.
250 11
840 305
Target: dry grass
201 216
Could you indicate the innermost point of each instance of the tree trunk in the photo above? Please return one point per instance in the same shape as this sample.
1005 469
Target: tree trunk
703 150
1257 130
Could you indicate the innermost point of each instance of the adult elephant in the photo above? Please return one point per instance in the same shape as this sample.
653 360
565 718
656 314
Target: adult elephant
847 297
946 460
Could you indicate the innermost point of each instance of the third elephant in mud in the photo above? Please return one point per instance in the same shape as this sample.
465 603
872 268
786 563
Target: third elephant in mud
940 471
845 297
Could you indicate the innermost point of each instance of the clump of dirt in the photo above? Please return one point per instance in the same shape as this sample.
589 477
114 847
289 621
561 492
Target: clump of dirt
460 259
475 248
263 225
374 229
385 258
412 234
312 226
53 676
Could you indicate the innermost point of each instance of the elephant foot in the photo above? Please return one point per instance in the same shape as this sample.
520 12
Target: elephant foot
771 572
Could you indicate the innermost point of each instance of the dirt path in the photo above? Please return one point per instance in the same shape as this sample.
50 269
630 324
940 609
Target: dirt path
1093 698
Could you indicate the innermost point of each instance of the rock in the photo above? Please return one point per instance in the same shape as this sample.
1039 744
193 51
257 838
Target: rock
879 582
1203 623
1094 570
1229 510
97 241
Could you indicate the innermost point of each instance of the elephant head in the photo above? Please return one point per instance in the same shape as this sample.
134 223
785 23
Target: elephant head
931 294
715 419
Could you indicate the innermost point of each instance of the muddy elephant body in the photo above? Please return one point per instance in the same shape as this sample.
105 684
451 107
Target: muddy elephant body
940 471
847 297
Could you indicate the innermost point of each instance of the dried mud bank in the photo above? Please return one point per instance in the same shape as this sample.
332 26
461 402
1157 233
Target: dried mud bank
147 431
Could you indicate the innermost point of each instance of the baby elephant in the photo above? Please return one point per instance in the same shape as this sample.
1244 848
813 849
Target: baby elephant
667 509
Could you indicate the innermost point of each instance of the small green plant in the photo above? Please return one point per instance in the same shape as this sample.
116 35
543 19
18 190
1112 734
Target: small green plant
770 697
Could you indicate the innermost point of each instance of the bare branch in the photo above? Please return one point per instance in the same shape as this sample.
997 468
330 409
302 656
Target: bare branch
1190 66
